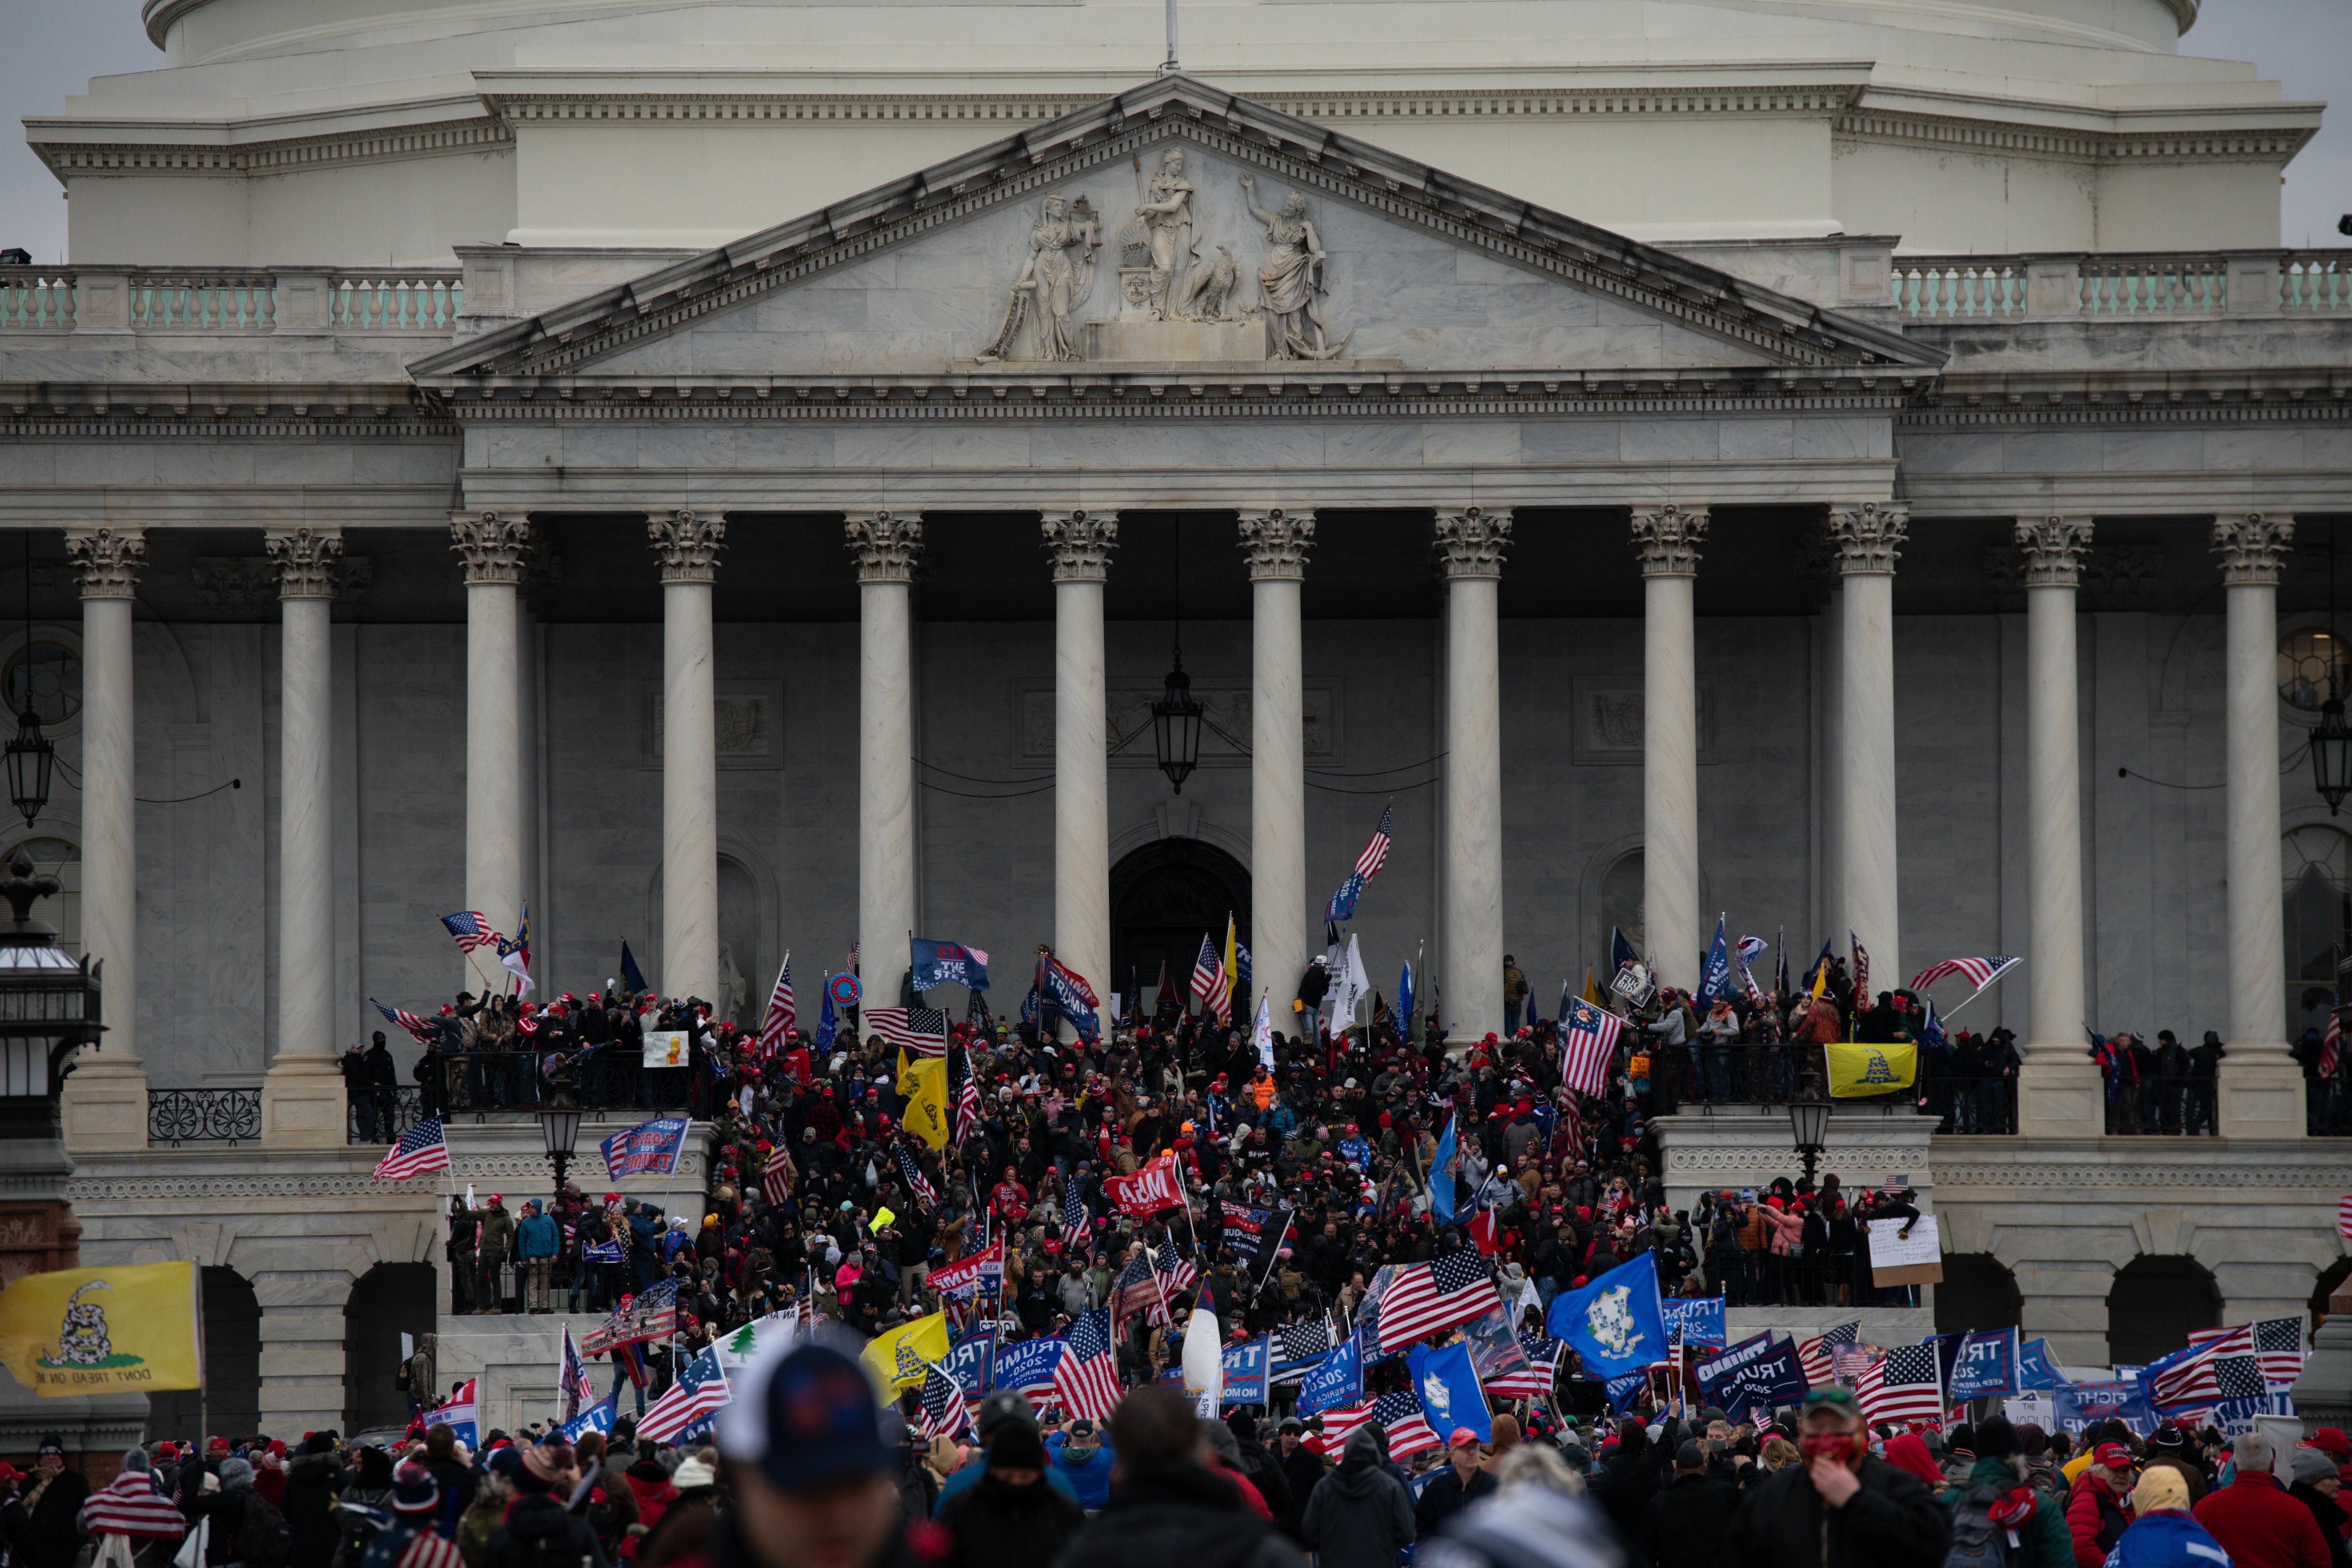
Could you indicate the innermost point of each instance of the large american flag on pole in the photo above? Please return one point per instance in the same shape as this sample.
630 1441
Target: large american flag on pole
777 1027
1588 1045
1907 1384
1212 986
421 1148
1425 1299
776 1180
1398 1415
1818 1355
941 1413
1367 865
1978 972
1085 1380
917 1031
471 930
419 1030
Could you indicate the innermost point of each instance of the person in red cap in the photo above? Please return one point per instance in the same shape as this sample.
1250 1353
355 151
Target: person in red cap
2096 1511
1455 1488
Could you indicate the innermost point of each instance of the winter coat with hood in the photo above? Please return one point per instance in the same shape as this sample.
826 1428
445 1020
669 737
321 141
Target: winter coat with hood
996 1524
651 1488
2045 1541
2096 1516
1178 1516
309 1505
1893 1522
1358 1516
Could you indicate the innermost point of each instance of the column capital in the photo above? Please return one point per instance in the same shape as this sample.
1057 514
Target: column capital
108 560
1275 544
308 560
1470 542
495 545
688 543
884 545
2251 545
1866 539
1667 539
2052 549
1079 544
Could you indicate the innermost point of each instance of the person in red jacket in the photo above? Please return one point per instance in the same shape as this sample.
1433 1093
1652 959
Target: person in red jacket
2254 1520
2096 1513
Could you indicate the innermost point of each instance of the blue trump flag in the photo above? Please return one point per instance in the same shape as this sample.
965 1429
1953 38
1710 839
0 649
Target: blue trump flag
2079 1404
1695 1321
1714 980
1762 1383
1246 1365
1446 1384
1029 1366
971 1360
1441 1174
1337 1379
595 1418
1404 997
1616 1323
2037 1368
1620 952
1622 1390
1987 1365
948 963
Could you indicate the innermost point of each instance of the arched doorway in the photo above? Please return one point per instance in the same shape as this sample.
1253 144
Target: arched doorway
390 1299
1163 899
230 1401
2155 1303
1978 1294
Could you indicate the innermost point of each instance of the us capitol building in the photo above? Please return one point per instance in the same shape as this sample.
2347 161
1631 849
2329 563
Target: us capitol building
736 474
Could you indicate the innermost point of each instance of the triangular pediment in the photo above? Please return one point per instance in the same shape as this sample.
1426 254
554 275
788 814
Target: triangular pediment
1286 241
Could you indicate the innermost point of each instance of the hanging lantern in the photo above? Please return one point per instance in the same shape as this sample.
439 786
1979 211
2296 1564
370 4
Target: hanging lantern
1176 727
30 756
2331 754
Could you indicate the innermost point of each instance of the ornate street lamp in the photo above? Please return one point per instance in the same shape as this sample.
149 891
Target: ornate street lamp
1176 717
1808 1124
49 1007
559 1131
31 754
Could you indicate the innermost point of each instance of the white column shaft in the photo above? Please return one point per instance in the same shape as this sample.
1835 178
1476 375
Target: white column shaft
689 795
109 855
885 787
493 758
2257 936
1472 1001
1868 854
1671 914
2053 810
1279 911
306 846
1081 786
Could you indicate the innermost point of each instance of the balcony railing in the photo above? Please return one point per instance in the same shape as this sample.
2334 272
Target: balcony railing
226 301
2106 287
177 1116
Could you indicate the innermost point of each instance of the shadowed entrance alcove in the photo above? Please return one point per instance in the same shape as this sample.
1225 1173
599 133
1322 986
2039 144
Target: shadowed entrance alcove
1163 899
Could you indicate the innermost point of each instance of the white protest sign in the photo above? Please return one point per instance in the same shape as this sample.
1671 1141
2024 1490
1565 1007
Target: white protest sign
1896 1258
666 1048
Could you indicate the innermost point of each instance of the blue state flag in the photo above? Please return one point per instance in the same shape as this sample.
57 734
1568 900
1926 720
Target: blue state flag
1695 1321
1246 1365
1986 1367
1337 1379
1714 980
1441 1174
1446 1384
948 963
1615 1324
632 979
825 1026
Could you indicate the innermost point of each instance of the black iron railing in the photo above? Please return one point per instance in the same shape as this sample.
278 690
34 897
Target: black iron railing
381 1114
177 1116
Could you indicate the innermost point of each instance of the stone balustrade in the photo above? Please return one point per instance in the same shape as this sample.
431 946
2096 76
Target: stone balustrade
2166 284
229 300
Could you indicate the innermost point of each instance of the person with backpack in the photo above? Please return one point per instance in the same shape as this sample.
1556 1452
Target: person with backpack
2166 1534
363 1505
245 1529
1999 1520
540 1531
413 1538
2094 1508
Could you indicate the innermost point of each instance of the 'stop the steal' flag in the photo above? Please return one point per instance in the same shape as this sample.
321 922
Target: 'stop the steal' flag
1615 1324
949 964
648 1149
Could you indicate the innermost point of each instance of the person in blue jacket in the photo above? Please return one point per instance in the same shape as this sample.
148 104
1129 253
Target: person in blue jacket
2164 1534
1005 1405
1082 1452
537 1239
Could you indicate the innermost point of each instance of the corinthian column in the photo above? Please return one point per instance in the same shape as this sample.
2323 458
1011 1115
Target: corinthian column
2262 1087
302 1098
886 546
2058 1089
105 1101
1275 545
1865 540
494 546
1080 545
687 543
1667 539
1470 545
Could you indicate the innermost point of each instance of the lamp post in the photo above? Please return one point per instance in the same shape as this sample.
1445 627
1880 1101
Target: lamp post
1808 1124
559 1131
49 1007
1176 717
29 755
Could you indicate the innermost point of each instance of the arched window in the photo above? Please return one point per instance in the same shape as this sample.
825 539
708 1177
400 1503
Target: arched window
2315 863
1621 906
2156 1302
60 858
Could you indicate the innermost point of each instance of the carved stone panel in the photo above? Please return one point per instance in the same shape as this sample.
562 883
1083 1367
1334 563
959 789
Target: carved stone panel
1224 726
749 721
1608 728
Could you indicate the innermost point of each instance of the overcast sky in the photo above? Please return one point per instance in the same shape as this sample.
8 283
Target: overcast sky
55 49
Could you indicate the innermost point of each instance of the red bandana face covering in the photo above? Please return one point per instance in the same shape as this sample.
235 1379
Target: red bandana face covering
1838 1446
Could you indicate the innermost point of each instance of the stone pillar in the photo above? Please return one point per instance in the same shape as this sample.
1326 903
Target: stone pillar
884 545
494 546
687 543
2058 1089
2262 1087
1470 545
1275 545
2065 1300
105 1101
1080 545
303 1361
1667 539
302 1097
1865 540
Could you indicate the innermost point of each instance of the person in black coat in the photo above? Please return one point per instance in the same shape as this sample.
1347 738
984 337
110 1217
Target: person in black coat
1687 1520
1168 1508
538 1527
1627 1480
1456 1487
1840 1509
312 1483
1010 1518
1302 1469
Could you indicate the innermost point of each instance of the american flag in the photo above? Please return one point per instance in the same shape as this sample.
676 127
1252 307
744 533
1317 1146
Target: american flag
1506 1368
1367 865
918 1031
1212 986
1818 1355
2331 1044
1085 1382
967 1095
925 1194
2344 1216
1907 1384
2237 1377
1400 1414
1151 1286
1978 972
1588 1045
2190 1373
777 1027
1297 1346
1861 967
577 1392
941 1413
1543 1355
1748 949
422 1032
776 1179
1338 1425
1425 1299
701 1391
421 1148
471 930
1078 1228
2278 1348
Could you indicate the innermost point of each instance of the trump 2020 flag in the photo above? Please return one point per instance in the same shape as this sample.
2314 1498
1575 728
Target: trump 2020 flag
1447 1386
1695 1320
1337 1379
1714 980
948 963
1615 1324
1987 1365
1244 1372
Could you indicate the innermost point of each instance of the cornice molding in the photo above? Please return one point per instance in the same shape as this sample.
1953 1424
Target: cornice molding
1948 131
2318 1174
436 139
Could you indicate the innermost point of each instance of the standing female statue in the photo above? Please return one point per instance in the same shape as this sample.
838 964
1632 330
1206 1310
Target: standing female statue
1291 278
1057 285
1167 212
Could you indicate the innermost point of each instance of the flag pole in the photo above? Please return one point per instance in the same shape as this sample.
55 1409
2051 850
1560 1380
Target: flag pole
1288 1217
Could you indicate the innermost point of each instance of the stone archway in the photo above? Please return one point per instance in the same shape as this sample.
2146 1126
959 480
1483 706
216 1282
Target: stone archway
1163 898
230 1401
2156 1301
1978 1294
388 1300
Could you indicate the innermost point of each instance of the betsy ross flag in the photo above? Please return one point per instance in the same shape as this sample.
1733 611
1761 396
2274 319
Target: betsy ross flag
917 1031
1818 1355
1978 972
421 1148
925 1194
422 1033
700 1393
777 1027
1085 1380
1588 1045
1425 1299
1907 1384
1212 986
1367 865
471 930
776 1180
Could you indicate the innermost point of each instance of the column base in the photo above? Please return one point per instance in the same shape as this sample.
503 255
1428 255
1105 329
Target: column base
104 1105
2057 1098
303 1104
2261 1098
